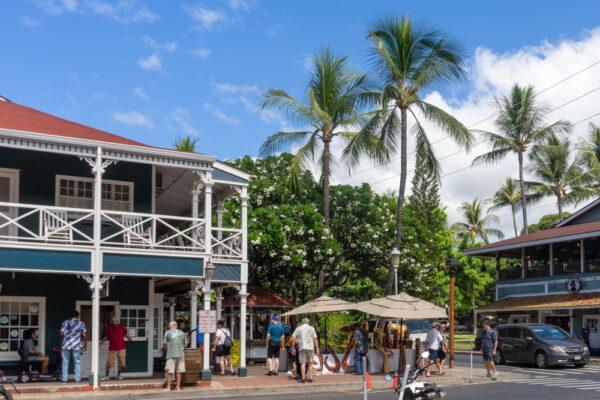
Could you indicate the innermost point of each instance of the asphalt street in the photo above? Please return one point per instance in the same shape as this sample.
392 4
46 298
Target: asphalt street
564 383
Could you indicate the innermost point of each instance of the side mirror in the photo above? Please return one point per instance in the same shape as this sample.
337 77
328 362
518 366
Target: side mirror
528 339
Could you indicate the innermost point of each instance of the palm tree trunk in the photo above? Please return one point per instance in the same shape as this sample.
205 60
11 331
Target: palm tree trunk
523 197
325 173
514 215
401 192
560 207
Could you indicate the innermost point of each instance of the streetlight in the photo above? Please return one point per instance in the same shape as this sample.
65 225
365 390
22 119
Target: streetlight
395 257
452 263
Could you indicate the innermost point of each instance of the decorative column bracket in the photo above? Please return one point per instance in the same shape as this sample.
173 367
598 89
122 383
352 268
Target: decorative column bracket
90 280
92 163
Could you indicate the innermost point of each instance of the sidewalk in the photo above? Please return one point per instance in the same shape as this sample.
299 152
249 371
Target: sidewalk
256 384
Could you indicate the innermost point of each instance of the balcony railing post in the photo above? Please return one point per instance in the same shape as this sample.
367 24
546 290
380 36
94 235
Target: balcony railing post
208 184
244 225
581 256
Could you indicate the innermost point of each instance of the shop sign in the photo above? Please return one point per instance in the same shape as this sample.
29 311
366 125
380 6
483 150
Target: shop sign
574 285
561 312
207 321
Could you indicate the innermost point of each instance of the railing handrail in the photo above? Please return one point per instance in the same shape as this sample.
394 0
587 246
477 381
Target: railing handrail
235 230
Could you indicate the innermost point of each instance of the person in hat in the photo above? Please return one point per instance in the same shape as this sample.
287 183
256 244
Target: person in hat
274 344
115 333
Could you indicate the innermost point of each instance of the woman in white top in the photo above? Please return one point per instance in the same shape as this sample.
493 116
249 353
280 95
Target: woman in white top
222 347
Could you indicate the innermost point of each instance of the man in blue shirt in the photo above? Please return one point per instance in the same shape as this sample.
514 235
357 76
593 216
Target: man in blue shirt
274 344
489 343
361 346
74 334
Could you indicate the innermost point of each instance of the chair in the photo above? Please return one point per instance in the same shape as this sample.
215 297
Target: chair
56 226
136 235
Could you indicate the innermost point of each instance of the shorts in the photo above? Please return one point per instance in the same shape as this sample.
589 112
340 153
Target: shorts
112 356
273 350
36 358
434 354
306 356
175 365
488 355
223 351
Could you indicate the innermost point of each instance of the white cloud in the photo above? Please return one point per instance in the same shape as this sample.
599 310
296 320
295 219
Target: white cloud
141 93
104 97
150 63
178 120
220 114
492 74
56 7
30 22
307 62
205 18
166 46
202 52
238 5
230 88
122 11
133 118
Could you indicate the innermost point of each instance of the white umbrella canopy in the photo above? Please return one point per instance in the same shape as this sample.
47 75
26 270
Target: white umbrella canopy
402 306
321 305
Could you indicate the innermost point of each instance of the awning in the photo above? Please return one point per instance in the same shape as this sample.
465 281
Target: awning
259 297
554 301
323 304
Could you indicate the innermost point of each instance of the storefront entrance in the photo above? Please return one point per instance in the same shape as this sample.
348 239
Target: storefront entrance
562 322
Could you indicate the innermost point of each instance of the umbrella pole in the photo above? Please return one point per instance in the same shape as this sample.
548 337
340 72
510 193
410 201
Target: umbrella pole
326 335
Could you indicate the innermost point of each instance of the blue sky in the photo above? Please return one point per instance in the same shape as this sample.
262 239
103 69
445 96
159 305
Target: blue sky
155 70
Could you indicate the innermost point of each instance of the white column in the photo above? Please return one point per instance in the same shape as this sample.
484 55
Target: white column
244 280
193 313
220 212
195 196
243 302
581 257
244 206
206 374
219 302
551 249
98 170
208 184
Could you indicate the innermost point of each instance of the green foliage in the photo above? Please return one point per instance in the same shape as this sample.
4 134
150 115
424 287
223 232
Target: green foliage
547 221
425 197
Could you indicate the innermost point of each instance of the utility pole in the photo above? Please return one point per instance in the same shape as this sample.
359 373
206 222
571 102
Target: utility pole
452 263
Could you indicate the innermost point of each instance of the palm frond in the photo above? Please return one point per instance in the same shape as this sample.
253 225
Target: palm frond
282 141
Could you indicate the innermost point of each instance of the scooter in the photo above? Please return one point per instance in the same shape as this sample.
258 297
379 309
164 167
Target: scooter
29 374
418 390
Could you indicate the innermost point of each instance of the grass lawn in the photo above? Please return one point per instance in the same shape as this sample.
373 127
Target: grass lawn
464 341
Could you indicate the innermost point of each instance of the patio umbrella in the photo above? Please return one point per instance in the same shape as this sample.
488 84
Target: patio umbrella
323 304
401 306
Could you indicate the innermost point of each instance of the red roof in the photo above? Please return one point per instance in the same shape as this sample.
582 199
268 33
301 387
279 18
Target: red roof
260 297
17 117
546 234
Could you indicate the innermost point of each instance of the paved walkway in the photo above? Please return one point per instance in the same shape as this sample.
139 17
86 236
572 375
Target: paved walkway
255 384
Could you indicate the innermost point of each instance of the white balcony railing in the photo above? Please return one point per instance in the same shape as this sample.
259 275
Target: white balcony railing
28 223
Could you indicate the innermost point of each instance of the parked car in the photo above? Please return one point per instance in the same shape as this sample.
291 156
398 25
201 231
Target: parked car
539 344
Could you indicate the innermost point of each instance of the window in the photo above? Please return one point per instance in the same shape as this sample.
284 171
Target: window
17 314
78 192
134 319
513 333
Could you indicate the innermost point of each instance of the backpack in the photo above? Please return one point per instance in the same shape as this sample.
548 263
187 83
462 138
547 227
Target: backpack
227 342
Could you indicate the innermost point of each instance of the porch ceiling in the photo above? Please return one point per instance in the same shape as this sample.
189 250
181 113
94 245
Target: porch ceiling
578 300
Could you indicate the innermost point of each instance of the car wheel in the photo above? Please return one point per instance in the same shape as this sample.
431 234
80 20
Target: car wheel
499 358
579 365
541 360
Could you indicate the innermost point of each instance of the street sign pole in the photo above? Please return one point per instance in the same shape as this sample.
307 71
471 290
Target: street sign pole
452 278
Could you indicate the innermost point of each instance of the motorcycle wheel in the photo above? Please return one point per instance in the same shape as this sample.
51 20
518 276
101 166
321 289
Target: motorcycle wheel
4 395
408 395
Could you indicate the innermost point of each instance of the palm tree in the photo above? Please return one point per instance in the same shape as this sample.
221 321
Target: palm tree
331 109
508 195
589 148
187 144
558 175
520 123
407 59
476 223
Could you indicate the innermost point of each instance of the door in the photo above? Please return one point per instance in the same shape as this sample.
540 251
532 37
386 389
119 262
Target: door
9 193
529 347
511 345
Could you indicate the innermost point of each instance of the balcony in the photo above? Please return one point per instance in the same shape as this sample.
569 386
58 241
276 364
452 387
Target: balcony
50 225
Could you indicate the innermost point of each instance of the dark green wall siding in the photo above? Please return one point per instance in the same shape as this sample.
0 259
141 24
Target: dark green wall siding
64 261
227 272
61 293
588 216
152 265
39 170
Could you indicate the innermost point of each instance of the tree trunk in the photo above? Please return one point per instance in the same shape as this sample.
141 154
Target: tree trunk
325 175
523 197
401 192
560 207
514 216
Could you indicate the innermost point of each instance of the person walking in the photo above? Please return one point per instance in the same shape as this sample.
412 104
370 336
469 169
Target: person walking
274 344
361 346
489 344
222 347
174 343
308 346
289 345
435 347
115 333
74 335
30 350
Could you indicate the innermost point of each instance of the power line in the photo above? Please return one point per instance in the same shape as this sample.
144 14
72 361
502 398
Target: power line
481 121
